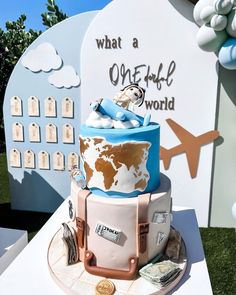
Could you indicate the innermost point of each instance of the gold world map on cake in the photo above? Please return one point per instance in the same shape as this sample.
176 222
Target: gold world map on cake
116 167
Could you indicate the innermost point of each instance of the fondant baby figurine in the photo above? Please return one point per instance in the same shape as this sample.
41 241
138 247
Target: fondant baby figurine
118 109
129 96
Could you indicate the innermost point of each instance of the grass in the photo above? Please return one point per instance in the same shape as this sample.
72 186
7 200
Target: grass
219 243
220 251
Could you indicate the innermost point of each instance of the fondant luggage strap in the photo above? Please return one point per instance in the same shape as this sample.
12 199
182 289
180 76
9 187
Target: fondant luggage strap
142 227
81 222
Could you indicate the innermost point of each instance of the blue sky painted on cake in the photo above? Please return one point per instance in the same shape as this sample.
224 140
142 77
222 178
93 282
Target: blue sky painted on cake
10 10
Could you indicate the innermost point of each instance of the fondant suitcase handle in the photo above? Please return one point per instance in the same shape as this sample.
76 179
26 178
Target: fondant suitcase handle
111 273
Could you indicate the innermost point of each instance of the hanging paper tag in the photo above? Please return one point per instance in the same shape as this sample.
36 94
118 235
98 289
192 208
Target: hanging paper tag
34 134
43 160
50 107
15 158
58 161
73 160
16 106
29 159
51 133
17 132
33 106
67 108
67 133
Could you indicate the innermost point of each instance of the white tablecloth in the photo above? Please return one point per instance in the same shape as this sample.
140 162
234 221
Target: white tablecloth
29 273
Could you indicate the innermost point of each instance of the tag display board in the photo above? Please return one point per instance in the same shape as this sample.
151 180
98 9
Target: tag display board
104 51
42 115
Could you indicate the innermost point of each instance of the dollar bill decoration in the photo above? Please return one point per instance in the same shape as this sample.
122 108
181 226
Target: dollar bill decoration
108 233
173 245
161 273
160 217
70 242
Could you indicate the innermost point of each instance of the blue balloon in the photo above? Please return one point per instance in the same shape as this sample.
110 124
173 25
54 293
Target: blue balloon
227 54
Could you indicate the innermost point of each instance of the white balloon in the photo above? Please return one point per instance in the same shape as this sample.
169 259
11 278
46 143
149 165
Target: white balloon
207 14
198 8
231 26
218 22
234 210
223 6
209 39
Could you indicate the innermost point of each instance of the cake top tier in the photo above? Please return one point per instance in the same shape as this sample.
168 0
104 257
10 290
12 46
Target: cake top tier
116 113
121 162
119 149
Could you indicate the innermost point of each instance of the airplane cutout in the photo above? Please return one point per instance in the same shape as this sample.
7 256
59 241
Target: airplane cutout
190 145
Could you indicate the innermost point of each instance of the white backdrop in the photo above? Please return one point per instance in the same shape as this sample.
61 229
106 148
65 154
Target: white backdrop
144 35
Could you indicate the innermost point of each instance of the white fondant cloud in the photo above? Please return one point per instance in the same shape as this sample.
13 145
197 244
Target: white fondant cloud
126 124
65 77
97 120
42 58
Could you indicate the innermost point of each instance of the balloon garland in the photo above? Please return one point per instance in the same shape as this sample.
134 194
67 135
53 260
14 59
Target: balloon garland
217 32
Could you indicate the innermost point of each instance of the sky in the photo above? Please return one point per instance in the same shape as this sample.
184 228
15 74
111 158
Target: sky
10 10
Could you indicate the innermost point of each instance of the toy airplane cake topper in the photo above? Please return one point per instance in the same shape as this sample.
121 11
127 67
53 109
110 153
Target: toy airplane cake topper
118 115
119 108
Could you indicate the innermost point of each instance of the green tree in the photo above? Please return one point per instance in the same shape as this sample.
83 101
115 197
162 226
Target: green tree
53 15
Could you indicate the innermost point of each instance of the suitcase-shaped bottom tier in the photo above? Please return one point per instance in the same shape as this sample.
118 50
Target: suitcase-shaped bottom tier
114 234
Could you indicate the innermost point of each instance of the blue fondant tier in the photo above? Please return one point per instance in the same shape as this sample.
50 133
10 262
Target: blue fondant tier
121 162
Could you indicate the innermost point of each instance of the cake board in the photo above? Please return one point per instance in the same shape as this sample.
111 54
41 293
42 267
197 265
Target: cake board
75 280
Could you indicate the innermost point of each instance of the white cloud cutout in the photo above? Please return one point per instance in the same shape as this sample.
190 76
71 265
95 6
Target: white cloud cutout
42 58
97 120
65 77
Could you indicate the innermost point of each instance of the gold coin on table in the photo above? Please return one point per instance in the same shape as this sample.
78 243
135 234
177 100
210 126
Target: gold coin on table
105 287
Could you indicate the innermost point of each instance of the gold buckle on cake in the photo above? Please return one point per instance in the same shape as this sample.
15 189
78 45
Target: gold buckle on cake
143 230
80 224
